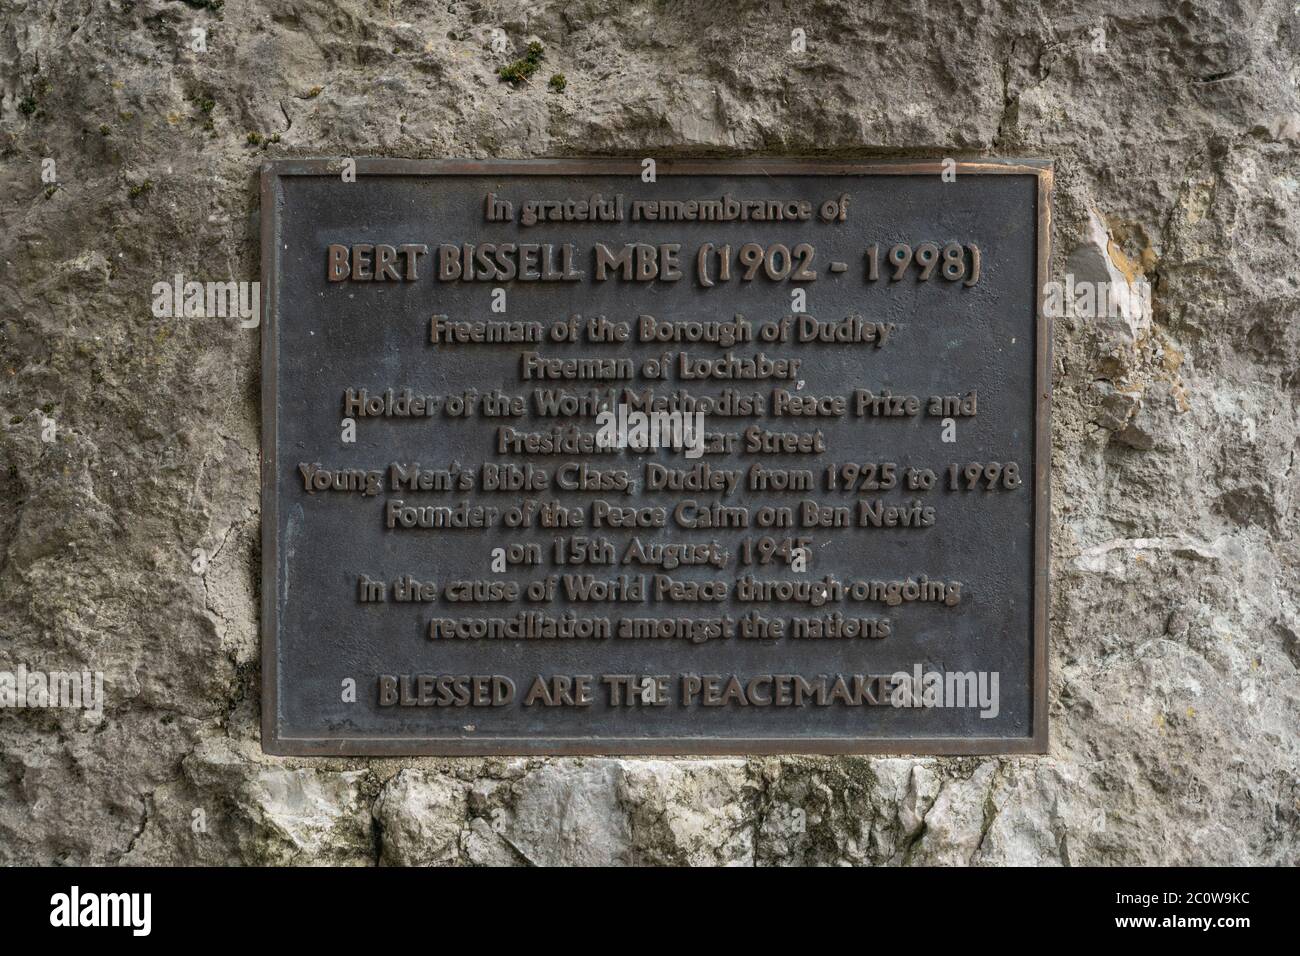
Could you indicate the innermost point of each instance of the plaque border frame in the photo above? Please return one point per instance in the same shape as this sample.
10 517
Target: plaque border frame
274 743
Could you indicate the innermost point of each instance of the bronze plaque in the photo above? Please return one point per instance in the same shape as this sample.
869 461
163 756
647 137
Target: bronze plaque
587 456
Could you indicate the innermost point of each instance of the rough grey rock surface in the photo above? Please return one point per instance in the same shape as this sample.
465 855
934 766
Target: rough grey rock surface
1175 617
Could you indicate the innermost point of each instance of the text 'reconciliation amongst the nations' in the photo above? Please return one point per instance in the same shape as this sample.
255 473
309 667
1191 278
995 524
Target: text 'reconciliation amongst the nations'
617 457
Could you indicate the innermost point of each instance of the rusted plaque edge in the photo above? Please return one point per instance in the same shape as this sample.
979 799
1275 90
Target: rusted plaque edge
274 743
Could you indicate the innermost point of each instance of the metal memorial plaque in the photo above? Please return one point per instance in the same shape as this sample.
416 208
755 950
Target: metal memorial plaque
603 457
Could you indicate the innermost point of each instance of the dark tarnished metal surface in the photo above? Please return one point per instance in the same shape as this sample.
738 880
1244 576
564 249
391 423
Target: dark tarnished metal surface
330 326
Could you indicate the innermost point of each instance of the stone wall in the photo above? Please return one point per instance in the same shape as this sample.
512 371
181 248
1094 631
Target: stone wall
1175 626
